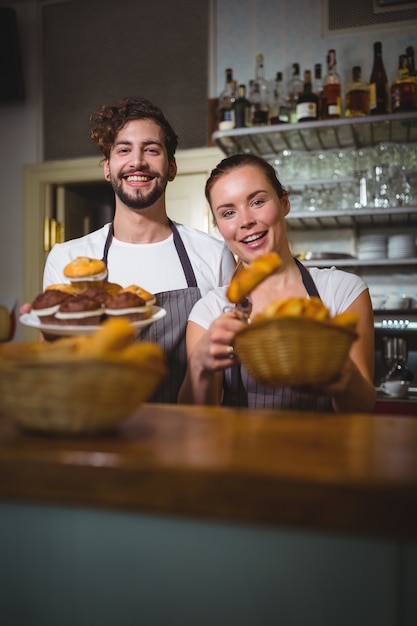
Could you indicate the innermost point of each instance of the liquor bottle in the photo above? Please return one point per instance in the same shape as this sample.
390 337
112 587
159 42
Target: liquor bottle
410 62
378 84
242 109
357 95
279 112
295 88
226 120
412 72
332 89
307 103
318 89
259 96
403 90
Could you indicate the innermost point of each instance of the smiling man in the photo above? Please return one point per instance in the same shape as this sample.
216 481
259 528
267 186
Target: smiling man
142 246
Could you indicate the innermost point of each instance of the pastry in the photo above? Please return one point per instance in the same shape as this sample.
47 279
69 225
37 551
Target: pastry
149 298
79 310
128 305
47 303
83 271
97 293
247 278
65 287
111 288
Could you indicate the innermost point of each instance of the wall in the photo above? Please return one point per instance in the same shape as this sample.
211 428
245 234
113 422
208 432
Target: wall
285 31
291 31
19 132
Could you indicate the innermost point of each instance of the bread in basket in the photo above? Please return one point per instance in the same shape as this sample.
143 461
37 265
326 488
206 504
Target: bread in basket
295 342
79 385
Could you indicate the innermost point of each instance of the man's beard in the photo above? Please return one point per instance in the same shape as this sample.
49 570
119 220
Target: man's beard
136 199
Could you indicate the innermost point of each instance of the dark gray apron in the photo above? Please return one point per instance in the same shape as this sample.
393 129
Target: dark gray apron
169 332
243 390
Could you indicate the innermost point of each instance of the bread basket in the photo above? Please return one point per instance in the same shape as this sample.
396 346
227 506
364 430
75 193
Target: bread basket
75 397
291 351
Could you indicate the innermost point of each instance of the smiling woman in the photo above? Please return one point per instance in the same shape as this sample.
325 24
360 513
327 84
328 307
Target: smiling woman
250 205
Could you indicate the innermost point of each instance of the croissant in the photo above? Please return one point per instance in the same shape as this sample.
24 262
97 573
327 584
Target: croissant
249 277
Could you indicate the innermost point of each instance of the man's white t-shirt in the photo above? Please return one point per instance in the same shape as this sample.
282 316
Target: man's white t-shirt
155 266
337 289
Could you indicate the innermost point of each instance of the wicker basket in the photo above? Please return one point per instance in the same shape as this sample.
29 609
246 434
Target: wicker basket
86 396
290 351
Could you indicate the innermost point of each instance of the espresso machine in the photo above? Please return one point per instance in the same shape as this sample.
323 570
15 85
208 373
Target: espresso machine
395 355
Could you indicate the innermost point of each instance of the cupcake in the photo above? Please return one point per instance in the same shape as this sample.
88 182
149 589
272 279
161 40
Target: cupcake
84 272
46 304
128 305
79 310
149 298
98 294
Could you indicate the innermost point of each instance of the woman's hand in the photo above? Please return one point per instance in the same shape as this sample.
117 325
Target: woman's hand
214 350
348 389
210 352
338 385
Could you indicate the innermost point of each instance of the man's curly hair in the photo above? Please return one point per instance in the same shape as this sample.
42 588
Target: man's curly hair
109 119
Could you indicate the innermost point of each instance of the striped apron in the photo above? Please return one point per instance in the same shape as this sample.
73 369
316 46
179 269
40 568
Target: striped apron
169 332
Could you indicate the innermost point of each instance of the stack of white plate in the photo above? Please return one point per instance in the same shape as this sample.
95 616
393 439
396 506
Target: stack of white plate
401 247
372 247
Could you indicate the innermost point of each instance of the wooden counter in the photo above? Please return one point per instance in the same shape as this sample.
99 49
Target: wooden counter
343 473
192 515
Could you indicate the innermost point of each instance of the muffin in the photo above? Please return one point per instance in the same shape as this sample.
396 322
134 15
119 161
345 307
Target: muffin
128 305
84 271
98 294
79 310
111 288
46 304
149 298
66 287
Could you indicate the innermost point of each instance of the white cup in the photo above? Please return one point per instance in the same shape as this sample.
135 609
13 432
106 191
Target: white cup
395 388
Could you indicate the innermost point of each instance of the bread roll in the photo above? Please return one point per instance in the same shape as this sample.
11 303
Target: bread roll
246 279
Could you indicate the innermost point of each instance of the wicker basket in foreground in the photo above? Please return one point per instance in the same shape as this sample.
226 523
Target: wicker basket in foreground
290 351
86 396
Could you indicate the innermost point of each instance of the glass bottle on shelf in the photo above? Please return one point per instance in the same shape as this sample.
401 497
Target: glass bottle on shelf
260 94
357 95
242 109
378 84
226 120
412 72
332 89
279 112
403 90
318 89
295 88
307 103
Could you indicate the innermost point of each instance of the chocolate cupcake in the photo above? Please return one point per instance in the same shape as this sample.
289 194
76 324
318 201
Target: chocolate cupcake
128 305
46 304
79 311
98 294
149 298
